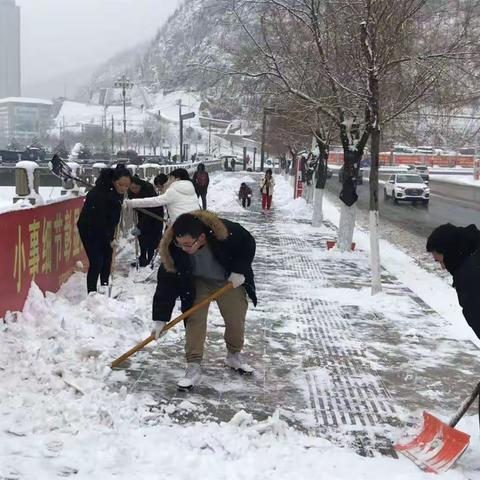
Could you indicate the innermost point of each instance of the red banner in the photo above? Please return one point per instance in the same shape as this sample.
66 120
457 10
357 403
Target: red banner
40 244
298 189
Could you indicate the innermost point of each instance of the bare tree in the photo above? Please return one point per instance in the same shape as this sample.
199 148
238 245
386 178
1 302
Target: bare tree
152 133
361 64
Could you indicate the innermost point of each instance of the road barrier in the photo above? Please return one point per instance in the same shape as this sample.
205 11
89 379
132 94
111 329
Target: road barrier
390 158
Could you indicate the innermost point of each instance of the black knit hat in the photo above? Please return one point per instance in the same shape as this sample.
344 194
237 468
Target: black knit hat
455 243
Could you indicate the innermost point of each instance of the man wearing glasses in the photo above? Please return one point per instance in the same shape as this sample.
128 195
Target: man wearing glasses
206 253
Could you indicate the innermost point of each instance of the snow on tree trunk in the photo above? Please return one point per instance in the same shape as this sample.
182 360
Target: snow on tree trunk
346 227
353 142
373 214
317 218
368 39
320 179
375 252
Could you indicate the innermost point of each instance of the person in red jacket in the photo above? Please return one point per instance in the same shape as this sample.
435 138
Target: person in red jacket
201 181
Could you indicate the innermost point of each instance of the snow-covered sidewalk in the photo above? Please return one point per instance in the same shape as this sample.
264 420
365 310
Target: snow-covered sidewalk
338 372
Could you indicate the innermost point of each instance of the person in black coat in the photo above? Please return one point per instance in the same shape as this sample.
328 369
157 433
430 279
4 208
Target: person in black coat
201 253
201 180
457 249
148 229
245 195
98 221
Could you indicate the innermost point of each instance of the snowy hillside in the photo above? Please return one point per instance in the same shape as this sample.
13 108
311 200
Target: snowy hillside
198 31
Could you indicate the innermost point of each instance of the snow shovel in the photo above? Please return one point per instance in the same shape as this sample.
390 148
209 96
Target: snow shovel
112 264
439 445
171 324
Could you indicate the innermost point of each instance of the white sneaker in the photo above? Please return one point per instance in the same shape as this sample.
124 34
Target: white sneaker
193 373
235 362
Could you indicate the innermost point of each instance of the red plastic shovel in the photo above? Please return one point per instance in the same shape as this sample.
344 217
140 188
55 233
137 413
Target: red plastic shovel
439 445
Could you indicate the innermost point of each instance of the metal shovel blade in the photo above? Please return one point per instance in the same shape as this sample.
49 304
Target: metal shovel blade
437 447
59 167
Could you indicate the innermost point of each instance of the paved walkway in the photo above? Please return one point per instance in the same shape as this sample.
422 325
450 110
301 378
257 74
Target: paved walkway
344 369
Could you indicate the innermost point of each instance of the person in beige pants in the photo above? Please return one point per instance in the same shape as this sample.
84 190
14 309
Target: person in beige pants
233 307
200 254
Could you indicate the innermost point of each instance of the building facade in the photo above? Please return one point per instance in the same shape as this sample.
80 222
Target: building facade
24 119
9 49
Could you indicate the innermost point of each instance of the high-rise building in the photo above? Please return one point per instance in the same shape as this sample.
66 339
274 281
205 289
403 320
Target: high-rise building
9 49
24 119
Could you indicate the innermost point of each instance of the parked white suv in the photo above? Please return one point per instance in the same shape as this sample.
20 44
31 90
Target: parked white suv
406 186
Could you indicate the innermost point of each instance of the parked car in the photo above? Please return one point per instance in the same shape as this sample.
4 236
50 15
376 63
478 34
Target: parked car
202 157
407 187
427 150
359 176
421 170
269 163
403 149
466 151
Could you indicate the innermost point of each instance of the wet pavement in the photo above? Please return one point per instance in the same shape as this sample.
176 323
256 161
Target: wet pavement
415 218
336 364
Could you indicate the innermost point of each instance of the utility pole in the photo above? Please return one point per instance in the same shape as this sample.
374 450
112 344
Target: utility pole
264 127
181 128
113 136
182 117
209 138
160 133
124 83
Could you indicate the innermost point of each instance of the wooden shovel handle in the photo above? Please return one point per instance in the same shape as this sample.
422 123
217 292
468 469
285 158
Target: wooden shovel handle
465 406
151 214
171 324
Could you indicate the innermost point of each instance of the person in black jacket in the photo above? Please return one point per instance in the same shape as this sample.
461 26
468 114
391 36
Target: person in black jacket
148 229
201 253
245 195
201 181
457 249
98 221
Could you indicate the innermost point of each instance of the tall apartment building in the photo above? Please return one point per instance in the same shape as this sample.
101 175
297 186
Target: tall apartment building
24 119
9 49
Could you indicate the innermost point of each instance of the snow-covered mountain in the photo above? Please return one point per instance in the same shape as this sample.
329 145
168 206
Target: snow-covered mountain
199 30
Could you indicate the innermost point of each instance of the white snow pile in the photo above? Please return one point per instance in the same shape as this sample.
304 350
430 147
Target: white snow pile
62 411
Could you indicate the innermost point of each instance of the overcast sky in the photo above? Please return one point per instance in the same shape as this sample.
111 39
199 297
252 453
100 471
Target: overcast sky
62 35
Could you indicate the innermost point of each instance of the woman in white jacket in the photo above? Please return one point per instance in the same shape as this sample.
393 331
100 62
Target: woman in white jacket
179 197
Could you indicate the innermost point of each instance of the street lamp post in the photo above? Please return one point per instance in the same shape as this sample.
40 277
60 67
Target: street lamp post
267 111
264 127
124 83
182 117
